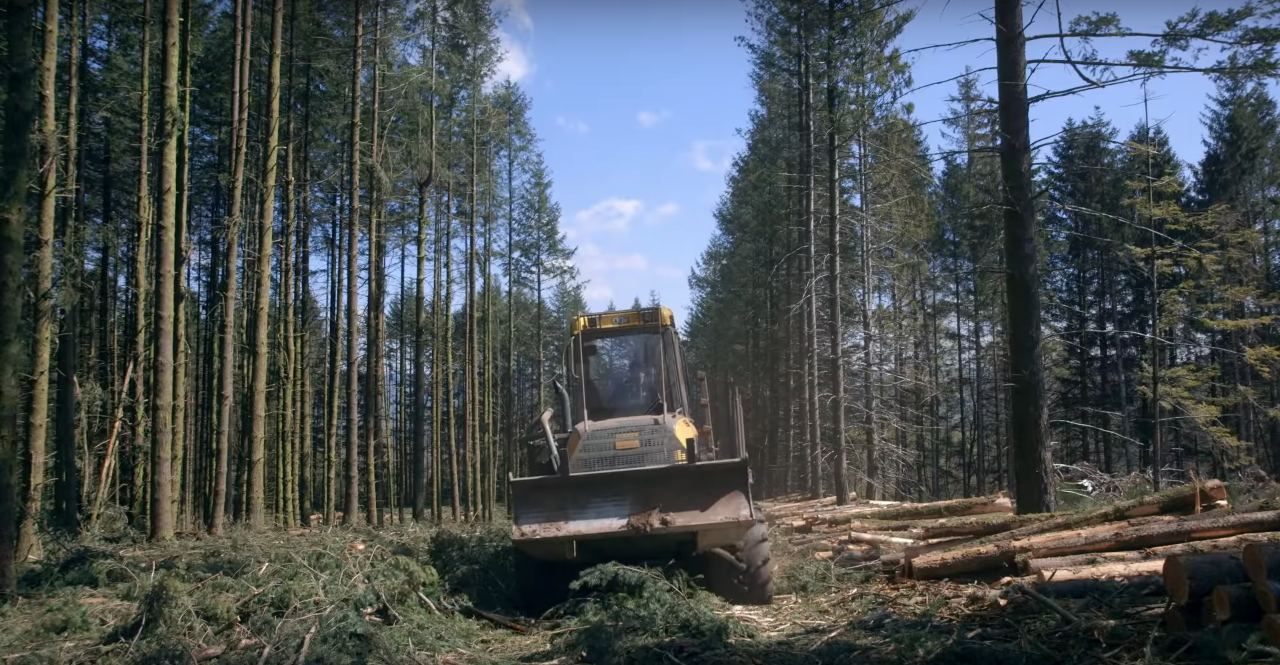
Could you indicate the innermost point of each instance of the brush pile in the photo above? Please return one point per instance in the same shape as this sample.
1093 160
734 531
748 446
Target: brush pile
1215 562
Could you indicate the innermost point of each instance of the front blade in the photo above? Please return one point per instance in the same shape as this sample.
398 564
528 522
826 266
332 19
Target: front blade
665 499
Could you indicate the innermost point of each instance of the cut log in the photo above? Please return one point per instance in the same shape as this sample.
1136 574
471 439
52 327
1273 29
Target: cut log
954 508
1184 618
1102 572
1262 561
1030 566
1270 626
798 507
950 527
1191 577
976 558
823 556
1173 500
1267 592
1150 586
856 557
1098 529
1233 602
877 539
900 562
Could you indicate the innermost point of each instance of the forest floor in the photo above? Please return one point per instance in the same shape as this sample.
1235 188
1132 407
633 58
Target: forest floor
419 595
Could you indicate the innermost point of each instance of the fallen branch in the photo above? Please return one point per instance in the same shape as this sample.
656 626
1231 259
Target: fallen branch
496 619
1056 608
306 644
209 653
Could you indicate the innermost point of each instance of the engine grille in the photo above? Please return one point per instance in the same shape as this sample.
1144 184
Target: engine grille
598 452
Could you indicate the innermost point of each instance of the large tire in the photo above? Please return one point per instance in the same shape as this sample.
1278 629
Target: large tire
541 585
743 576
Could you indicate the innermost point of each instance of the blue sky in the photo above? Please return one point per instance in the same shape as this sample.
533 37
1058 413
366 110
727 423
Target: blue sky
637 105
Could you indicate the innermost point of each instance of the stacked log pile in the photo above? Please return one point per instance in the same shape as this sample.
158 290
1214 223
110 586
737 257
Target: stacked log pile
1215 562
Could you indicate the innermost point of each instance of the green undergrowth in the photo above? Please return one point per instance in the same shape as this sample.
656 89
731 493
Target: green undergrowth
445 596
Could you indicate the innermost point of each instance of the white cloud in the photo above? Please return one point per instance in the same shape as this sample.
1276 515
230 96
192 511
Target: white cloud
518 13
651 118
663 211
592 259
516 63
614 214
594 291
712 156
572 124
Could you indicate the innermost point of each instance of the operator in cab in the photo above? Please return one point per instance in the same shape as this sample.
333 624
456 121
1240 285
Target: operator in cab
637 392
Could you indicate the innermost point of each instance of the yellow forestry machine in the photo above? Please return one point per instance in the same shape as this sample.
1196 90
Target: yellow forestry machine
628 476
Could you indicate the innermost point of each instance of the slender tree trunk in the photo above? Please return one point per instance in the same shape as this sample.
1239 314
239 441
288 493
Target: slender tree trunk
472 363
226 365
262 291
166 241
437 366
513 464
140 277
336 258
373 354
288 365
447 331
811 311
419 474
1029 424
835 325
306 490
66 508
19 120
182 248
38 423
351 514
490 442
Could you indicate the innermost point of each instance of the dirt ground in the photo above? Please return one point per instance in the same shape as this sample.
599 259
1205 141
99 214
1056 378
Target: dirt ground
416 595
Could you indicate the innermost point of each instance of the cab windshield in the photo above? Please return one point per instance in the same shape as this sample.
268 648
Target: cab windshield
622 375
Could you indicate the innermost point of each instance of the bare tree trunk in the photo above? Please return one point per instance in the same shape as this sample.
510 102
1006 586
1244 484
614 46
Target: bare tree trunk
306 490
351 514
66 508
373 354
226 367
437 366
289 349
419 474
833 219
336 254
447 370
38 423
472 363
140 278
1029 424
182 248
811 311
19 119
262 291
166 240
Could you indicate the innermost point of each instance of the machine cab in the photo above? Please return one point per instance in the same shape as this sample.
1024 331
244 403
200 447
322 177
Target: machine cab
626 364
